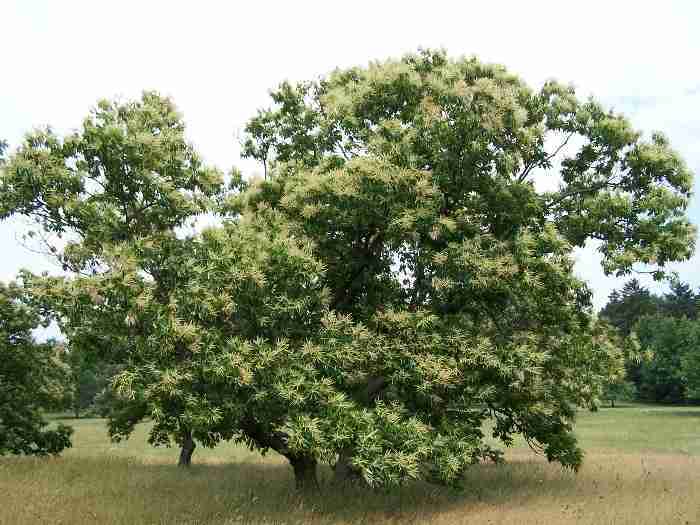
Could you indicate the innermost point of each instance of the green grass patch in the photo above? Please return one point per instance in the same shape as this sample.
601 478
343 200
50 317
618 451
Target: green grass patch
641 468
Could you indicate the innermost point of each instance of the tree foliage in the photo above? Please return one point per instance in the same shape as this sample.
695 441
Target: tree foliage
31 380
665 326
221 348
87 381
127 174
415 178
393 284
680 302
673 343
690 363
482 134
626 307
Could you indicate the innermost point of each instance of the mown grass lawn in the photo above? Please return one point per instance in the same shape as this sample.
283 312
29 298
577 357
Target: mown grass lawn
641 468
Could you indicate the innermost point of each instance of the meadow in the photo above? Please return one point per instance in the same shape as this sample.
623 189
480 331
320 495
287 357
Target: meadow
642 467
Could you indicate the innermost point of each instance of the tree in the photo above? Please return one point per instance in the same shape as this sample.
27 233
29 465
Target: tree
690 366
415 180
31 380
396 281
618 387
229 355
626 307
671 342
681 302
246 349
619 390
87 377
659 377
126 174
481 133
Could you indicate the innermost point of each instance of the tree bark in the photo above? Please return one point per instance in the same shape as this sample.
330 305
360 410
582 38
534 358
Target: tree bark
304 466
188 446
343 471
304 471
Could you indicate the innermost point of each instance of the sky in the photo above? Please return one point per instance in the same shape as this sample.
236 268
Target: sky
218 60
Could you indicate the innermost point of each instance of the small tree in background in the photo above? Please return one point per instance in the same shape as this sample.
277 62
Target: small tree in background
618 389
672 343
681 302
626 307
664 326
31 380
690 365
88 378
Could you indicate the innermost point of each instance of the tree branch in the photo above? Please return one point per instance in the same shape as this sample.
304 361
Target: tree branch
530 166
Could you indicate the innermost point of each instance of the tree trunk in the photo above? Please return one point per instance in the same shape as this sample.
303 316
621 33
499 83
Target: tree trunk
343 471
304 472
188 446
612 403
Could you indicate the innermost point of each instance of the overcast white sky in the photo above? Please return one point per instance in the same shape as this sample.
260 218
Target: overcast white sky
219 59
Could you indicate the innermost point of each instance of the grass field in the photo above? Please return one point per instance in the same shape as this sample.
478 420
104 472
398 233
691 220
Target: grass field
642 467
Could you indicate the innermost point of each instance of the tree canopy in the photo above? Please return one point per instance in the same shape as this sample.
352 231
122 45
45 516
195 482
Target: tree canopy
31 380
666 327
395 282
128 174
481 135
416 179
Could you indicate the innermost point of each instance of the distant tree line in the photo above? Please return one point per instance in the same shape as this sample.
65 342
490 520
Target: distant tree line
667 370
86 391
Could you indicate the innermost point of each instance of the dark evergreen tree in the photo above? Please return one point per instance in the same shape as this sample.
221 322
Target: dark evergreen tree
680 302
664 327
627 306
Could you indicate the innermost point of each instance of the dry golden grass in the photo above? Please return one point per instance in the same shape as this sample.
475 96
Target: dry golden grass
98 482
